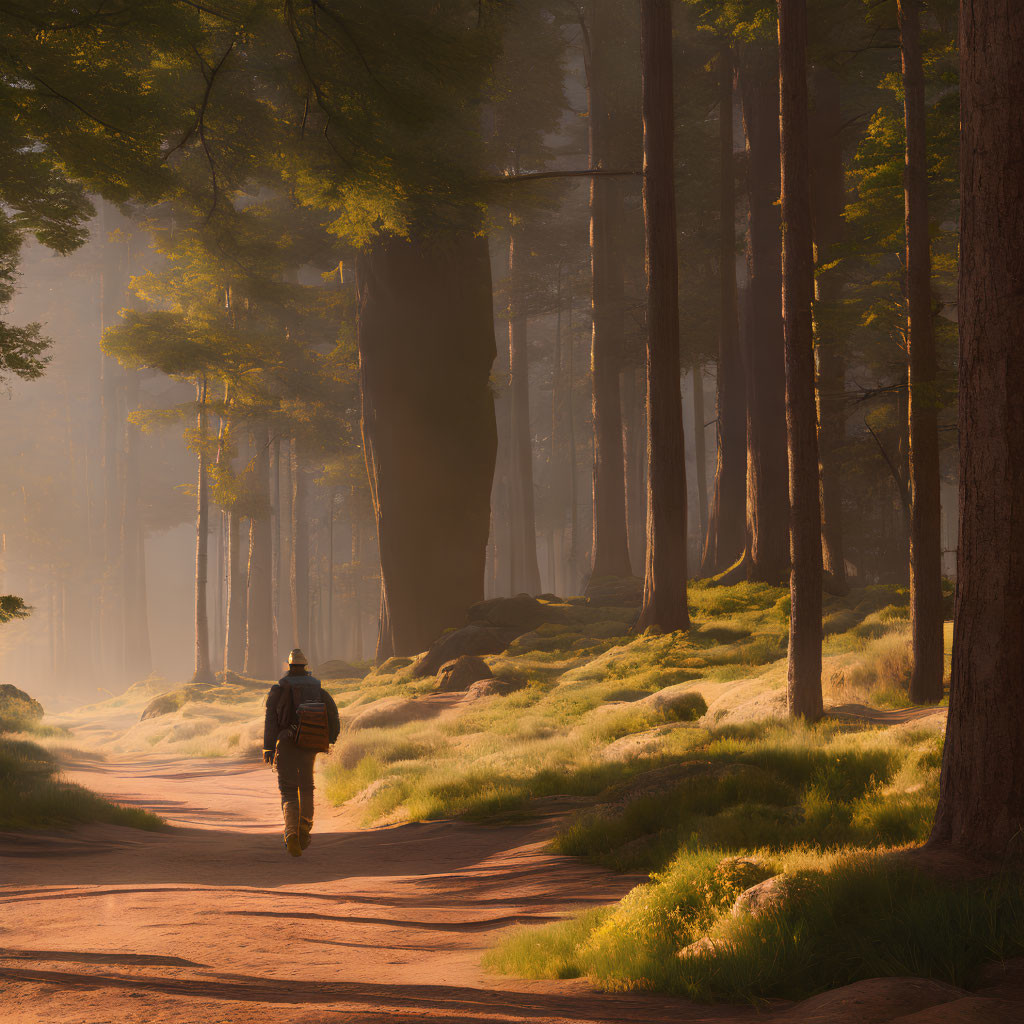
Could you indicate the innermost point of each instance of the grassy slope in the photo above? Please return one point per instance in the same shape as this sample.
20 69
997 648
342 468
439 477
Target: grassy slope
33 796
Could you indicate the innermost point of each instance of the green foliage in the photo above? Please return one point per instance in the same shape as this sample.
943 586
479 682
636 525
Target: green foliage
12 607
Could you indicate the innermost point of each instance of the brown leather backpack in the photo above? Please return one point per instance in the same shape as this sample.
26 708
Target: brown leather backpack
303 712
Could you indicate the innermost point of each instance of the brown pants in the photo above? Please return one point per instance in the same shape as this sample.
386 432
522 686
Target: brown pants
295 780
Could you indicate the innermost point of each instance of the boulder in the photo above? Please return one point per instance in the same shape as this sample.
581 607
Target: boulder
615 592
476 640
392 711
522 613
337 669
705 946
17 709
761 898
461 673
495 687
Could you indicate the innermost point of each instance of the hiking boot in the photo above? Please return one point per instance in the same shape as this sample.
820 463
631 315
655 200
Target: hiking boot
305 827
294 845
304 840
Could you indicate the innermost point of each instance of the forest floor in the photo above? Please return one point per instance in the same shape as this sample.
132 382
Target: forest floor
210 921
596 829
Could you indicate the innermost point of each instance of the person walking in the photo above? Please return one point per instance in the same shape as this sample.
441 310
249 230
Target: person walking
301 722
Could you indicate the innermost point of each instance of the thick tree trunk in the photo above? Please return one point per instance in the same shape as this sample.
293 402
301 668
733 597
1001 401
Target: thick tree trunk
828 197
767 540
726 519
298 573
524 566
426 345
610 551
805 579
981 793
260 660
925 509
203 673
664 603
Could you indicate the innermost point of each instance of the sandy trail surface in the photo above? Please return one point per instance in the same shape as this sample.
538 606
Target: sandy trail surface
212 922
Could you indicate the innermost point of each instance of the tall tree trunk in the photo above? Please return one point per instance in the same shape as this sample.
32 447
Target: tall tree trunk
805 579
925 508
981 792
664 603
700 452
570 440
298 573
524 566
329 647
426 345
767 540
234 634
610 552
634 438
275 551
138 659
726 519
355 559
203 673
260 660
113 280
828 197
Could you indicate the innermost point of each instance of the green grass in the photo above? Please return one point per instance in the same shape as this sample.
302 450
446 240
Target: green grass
841 917
821 805
33 796
771 786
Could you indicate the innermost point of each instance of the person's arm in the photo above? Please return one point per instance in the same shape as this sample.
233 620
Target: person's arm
270 726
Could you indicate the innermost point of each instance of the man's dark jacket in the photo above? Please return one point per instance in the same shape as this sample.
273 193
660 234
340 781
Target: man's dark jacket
313 690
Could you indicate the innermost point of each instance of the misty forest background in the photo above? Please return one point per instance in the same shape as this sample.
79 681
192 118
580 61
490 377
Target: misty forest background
222 191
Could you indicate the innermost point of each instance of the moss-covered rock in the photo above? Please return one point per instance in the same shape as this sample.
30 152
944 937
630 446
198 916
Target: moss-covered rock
18 710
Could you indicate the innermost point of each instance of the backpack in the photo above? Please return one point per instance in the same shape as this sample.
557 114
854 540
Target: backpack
307 716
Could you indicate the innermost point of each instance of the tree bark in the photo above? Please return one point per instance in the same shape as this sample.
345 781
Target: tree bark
726 518
275 550
828 197
426 345
633 388
767 540
138 659
700 453
804 669
234 621
925 508
203 673
981 792
610 551
524 566
664 603
260 661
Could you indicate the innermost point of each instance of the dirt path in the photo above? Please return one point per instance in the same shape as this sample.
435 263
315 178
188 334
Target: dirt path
213 921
